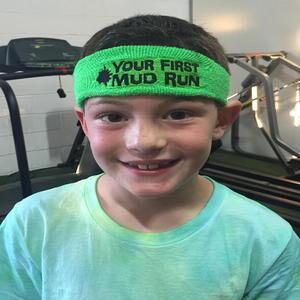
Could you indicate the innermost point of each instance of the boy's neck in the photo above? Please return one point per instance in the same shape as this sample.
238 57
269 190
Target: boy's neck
154 215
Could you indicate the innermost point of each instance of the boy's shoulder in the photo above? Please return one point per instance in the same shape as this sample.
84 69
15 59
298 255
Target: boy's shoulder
244 213
53 201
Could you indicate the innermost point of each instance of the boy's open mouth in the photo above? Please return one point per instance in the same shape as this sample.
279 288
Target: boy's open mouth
151 166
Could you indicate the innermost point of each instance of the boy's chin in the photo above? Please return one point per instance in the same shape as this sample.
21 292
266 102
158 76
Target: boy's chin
153 191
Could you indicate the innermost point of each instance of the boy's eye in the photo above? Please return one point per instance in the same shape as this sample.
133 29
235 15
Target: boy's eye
112 117
178 115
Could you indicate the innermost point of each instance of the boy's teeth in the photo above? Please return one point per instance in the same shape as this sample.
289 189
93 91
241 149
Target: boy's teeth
150 166
146 167
143 167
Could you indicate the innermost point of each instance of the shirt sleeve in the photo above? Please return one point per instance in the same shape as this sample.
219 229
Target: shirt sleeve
20 276
282 279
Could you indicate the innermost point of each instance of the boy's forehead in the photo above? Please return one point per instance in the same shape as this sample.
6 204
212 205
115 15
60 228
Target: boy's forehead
161 99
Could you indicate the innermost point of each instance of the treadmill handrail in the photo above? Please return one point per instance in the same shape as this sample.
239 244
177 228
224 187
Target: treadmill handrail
16 122
271 111
18 136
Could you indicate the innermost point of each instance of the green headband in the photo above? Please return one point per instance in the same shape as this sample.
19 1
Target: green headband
149 70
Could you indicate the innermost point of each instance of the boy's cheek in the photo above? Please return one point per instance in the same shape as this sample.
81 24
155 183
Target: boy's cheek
102 144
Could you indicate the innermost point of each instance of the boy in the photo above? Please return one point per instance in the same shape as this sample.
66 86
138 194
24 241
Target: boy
151 97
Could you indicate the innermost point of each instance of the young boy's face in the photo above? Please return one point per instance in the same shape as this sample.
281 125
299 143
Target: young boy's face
151 146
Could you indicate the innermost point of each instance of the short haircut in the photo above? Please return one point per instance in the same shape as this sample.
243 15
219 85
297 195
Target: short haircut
159 31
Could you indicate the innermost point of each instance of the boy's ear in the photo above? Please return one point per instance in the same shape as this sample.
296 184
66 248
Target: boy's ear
226 116
79 113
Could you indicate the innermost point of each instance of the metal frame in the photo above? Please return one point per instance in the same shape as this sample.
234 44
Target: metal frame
18 136
16 122
271 111
273 138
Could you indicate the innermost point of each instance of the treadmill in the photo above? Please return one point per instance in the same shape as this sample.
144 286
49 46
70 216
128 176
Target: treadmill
30 58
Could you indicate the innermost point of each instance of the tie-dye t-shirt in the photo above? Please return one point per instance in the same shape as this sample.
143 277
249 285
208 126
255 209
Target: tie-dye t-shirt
59 244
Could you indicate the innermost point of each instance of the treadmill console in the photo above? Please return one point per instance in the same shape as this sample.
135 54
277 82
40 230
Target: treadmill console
36 53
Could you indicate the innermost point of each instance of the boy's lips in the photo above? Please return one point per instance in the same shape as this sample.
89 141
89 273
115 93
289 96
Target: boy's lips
150 164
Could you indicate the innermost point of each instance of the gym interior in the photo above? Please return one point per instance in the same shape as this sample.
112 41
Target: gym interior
43 146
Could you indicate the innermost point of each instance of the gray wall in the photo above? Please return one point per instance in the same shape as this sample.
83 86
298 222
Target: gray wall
247 26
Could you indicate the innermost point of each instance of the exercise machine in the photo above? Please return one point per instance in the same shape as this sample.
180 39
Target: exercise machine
30 58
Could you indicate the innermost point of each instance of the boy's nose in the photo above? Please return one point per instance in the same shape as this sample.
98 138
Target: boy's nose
145 138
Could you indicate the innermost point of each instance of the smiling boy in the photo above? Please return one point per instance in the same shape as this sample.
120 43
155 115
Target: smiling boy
150 149
151 96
